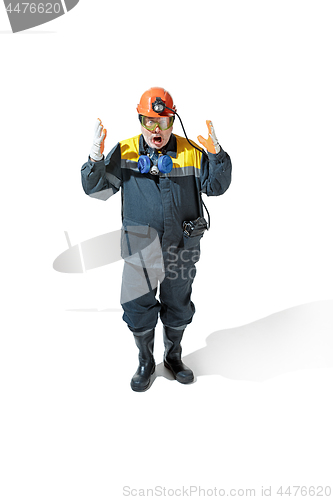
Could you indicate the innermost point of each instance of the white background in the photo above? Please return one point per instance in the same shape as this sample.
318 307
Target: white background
259 413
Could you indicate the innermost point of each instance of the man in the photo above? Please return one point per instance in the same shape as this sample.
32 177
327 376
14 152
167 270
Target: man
161 177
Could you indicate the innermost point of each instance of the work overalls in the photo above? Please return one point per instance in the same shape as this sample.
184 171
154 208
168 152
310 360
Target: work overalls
154 207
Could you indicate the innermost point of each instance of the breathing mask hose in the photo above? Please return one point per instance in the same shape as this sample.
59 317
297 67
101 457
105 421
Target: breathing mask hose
188 140
159 106
201 151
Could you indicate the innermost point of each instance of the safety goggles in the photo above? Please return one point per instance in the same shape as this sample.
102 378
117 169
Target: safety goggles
151 122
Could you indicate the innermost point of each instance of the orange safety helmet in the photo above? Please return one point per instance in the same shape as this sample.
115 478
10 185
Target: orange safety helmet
149 97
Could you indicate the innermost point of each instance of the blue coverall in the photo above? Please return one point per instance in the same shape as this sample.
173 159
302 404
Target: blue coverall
161 202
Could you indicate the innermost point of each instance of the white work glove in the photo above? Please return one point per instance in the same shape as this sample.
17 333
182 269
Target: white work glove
211 144
97 149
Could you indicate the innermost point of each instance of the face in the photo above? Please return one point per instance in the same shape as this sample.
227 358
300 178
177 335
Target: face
156 138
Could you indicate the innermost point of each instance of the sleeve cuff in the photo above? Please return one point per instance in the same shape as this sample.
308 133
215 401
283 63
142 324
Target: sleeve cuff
91 162
217 156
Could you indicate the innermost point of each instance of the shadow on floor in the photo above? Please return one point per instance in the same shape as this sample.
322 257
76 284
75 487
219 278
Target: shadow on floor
293 339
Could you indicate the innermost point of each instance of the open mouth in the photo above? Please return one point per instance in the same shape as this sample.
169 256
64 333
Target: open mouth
157 140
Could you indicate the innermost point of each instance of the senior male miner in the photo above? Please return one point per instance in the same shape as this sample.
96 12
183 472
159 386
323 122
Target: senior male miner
161 177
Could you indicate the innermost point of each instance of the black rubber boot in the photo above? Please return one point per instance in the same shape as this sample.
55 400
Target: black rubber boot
145 343
172 356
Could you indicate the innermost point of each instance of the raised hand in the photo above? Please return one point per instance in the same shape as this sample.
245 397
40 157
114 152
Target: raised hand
97 149
211 144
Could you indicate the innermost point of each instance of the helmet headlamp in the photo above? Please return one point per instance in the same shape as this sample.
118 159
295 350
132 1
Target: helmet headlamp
158 105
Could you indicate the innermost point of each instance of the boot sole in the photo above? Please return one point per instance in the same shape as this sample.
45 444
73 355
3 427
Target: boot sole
146 387
186 381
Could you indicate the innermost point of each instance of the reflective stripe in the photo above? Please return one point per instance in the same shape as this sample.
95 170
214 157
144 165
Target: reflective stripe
113 179
183 172
175 172
132 165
